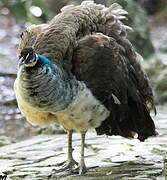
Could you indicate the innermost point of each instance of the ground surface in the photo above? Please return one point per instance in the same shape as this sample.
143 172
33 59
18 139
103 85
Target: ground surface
117 158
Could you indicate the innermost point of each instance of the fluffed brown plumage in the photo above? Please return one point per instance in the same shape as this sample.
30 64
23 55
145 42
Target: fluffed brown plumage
107 63
111 69
80 71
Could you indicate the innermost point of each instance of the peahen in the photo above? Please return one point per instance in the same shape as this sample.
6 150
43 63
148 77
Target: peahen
81 72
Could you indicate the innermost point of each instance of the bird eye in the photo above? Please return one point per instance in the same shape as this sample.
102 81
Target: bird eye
21 35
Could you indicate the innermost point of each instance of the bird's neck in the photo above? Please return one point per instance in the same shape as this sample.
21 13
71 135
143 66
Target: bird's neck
46 86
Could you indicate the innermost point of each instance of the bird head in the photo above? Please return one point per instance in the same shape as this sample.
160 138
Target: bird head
28 57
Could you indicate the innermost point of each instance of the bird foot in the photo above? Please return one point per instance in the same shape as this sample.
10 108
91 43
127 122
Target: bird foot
68 165
82 169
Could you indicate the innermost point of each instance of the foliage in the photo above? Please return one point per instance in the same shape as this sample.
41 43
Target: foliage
153 7
21 10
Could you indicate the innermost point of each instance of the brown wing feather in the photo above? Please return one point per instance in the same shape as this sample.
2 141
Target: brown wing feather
58 39
102 63
108 66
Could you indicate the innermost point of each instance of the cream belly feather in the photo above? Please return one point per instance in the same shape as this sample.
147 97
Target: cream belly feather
33 115
84 113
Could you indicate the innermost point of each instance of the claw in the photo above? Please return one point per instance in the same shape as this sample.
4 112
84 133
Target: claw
79 170
68 165
82 170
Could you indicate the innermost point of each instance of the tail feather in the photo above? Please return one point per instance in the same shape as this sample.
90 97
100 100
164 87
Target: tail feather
127 120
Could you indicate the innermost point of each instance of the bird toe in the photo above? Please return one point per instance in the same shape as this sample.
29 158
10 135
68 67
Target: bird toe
67 165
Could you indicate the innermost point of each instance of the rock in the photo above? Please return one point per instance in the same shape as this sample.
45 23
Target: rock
157 72
163 46
4 140
116 157
8 44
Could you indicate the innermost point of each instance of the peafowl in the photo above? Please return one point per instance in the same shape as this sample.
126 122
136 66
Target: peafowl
81 72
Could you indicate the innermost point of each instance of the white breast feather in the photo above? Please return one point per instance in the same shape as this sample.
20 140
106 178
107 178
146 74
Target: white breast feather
84 113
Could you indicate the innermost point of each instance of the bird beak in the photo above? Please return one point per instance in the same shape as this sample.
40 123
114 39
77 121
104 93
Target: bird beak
24 60
21 61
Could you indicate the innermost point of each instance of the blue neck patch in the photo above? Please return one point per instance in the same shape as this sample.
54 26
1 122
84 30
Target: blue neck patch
43 60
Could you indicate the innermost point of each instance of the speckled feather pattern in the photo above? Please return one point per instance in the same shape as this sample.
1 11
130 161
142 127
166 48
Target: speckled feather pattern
87 46
43 87
59 37
46 95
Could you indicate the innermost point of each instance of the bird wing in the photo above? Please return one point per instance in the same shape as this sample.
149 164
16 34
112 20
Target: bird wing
110 68
58 39
108 65
118 60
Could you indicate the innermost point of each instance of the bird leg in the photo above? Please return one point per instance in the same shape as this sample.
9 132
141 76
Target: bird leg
82 167
70 163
